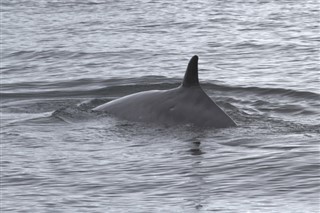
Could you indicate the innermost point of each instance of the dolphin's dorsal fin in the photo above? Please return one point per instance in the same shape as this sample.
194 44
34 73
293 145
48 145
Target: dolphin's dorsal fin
191 76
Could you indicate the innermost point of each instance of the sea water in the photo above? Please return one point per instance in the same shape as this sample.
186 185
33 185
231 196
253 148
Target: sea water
259 61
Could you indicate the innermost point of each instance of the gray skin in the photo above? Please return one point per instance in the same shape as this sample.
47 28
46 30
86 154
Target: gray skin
186 104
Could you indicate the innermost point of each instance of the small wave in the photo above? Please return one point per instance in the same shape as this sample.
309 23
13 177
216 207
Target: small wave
117 87
82 88
71 100
264 91
242 103
50 53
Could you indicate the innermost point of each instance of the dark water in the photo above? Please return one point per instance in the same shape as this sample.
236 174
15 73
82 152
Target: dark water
259 60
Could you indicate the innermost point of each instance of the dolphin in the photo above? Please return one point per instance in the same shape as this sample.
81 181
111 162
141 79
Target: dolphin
186 104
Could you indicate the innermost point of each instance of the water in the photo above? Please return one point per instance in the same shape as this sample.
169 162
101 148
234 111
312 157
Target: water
259 60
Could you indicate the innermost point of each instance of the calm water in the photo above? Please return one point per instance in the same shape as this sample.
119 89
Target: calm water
259 60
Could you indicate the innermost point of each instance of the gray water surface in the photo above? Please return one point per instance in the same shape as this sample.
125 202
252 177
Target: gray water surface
259 61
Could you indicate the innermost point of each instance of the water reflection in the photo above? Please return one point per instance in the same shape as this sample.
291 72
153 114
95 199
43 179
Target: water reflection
195 149
196 175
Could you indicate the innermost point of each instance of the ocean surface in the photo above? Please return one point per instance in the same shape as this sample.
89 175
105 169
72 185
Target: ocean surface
258 60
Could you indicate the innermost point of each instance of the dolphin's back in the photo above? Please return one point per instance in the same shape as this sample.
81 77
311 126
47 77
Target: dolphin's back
176 106
185 104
